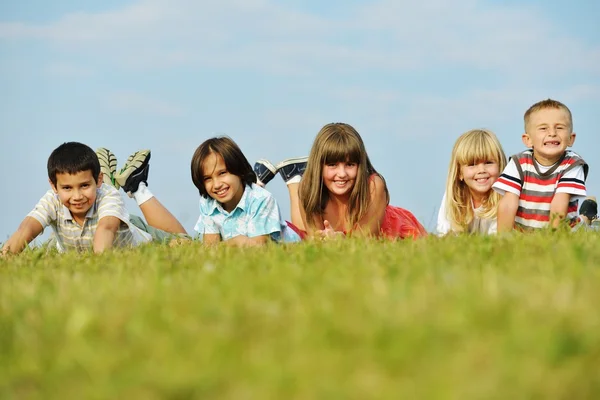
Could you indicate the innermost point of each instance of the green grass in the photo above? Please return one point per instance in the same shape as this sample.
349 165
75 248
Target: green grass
514 317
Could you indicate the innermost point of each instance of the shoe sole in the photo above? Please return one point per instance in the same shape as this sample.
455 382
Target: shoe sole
130 165
268 164
291 161
108 160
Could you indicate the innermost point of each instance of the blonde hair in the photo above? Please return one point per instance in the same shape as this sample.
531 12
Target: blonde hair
336 142
544 105
472 146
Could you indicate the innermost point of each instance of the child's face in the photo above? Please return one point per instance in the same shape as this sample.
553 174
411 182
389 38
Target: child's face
221 185
339 178
77 191
480 176
549 134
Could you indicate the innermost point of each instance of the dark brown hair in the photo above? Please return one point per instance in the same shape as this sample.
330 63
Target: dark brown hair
71 158
234 159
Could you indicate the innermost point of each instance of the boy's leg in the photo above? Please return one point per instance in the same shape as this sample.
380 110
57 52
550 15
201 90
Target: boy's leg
291 170
133 178
158 235
159 217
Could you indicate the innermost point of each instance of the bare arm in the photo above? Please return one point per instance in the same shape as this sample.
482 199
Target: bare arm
558 208
507 211
105 233
311 230
245 241
211 239
370 224
29 229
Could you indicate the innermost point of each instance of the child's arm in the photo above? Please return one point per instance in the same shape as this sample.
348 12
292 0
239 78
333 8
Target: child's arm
559 208
507 211
245 241
105 233
211 238
29 229
571 183
509 186
370 224
318 223
317 228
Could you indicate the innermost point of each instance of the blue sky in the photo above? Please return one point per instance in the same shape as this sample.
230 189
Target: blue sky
168 74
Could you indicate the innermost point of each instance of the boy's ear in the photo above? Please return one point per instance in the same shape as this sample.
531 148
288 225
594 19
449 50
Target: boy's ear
526 140
100 179
572 139
52 185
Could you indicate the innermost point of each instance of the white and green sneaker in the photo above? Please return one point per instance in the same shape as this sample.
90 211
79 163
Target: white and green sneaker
108 166
134 171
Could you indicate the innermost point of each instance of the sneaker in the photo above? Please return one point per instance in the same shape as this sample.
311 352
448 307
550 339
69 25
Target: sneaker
589 208
292 167
134 171
265 171
108 166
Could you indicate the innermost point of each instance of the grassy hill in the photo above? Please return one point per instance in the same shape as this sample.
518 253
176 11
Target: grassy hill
454 318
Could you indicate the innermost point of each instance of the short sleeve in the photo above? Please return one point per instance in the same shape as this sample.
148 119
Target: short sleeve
443 224
206 224
572 182
509 181
46 210
111 204
264 217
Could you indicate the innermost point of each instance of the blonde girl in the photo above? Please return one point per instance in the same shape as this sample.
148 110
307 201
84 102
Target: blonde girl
469 204
342 193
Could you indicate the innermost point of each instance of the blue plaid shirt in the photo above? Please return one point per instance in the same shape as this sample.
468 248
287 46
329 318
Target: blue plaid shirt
256 214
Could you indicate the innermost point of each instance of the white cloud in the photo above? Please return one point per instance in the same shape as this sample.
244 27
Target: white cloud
387 35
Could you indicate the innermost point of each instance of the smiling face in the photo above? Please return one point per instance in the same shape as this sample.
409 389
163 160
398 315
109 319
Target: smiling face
339 178
549 133
220 184
77 192
479 177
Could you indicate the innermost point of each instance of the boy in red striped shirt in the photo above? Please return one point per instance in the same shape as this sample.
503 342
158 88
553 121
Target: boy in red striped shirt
542 185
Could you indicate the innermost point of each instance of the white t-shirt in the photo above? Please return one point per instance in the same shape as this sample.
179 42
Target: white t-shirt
485 226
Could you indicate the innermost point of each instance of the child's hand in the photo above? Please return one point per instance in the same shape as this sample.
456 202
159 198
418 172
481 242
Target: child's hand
4 252
328 232
180 241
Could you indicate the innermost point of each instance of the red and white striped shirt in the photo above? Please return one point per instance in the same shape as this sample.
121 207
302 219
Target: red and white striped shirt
536 185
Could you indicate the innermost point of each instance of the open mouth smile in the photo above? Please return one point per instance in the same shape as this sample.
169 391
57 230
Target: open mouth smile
221 192
553 143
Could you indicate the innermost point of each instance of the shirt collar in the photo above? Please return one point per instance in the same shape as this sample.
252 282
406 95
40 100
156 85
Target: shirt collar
215 206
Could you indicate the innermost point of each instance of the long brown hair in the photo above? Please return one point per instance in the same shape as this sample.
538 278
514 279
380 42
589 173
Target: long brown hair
336 142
